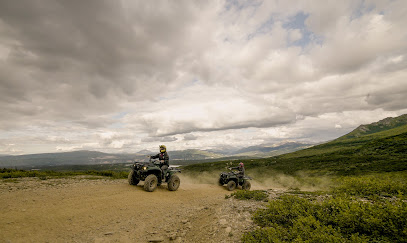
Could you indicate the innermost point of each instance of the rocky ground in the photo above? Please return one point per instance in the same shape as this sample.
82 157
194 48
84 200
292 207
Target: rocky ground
95 209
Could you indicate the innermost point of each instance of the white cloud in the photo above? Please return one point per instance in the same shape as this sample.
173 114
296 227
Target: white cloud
196 74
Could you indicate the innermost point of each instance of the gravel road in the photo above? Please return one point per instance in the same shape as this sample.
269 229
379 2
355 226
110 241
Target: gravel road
96 209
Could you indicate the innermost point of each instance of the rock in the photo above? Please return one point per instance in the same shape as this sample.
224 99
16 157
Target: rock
177 240
172 236
223 221
156 239
184 221
228 229
109 233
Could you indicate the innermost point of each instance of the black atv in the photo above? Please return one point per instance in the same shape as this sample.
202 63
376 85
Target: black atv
232 180
153 176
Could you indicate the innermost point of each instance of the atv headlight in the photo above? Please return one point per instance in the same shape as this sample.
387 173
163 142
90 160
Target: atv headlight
144 168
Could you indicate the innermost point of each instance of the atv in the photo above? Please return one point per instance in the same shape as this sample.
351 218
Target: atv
153 176
232 180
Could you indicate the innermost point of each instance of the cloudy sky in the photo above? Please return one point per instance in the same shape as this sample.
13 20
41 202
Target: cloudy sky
122 76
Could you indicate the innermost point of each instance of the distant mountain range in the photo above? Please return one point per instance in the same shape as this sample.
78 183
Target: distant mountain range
180 157
377 147
361 135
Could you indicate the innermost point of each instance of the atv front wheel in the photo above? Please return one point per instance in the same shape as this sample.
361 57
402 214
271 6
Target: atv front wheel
220 182
132 179
173 183
246 185
150 183
231 185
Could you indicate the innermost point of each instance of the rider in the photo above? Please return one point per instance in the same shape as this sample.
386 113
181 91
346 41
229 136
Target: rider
240 168
163 157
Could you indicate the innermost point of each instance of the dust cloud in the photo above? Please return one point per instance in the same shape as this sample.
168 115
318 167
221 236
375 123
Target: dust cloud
265 181
200 178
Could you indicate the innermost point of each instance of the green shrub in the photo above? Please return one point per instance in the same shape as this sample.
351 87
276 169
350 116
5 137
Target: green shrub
336 219
384 185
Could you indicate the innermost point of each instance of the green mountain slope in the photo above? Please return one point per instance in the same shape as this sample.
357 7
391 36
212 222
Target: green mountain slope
378 128
377 147
360 136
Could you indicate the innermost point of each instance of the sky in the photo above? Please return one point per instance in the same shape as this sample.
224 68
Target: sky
124 76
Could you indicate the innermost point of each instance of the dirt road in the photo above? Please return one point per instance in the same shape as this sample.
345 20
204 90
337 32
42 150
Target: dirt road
82 209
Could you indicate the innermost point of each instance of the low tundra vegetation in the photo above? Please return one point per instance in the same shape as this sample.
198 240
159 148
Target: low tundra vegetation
370 208
43 175
257 195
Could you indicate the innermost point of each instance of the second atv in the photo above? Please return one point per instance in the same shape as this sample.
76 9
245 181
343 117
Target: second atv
153 176
232 179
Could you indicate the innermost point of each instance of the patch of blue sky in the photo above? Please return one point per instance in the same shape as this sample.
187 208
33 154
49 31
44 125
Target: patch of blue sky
194 81
298 22
264 28
247 130
120 115
362 9
191 83
241 4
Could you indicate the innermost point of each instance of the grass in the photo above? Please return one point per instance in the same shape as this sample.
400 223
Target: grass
294 219
370 208
43 175
377 185
355 156
257 195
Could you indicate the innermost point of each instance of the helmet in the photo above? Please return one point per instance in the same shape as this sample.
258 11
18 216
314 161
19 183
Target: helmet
241 164
163 148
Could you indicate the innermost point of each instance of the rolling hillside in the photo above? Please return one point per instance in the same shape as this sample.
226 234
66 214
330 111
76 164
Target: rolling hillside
181 157
376 147
272 150
67 158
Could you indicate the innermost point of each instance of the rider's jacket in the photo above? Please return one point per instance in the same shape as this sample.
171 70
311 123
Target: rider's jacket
240 168
163 157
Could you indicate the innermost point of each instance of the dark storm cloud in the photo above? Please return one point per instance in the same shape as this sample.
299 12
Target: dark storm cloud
219 123
391 99
84 56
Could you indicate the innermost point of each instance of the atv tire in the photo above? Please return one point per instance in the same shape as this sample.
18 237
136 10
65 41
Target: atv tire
132 179
231 185
150 183
220 182
173 183
246 185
